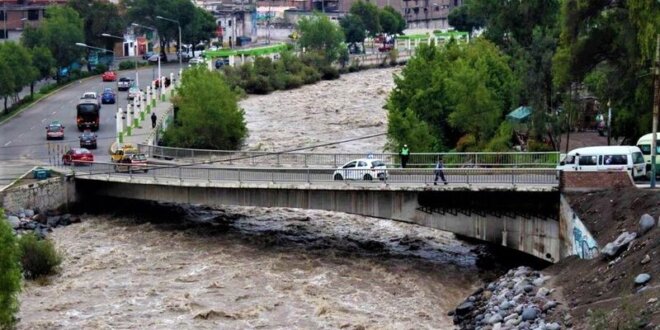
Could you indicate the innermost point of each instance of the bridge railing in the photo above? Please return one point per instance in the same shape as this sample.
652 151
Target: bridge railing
506 176
334 160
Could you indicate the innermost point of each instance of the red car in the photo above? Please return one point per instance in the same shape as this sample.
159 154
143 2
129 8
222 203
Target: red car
109 76
77 156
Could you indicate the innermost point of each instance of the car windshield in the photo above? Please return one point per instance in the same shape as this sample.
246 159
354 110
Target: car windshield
81 151
139 157
54 128
87 135
108 90
89 96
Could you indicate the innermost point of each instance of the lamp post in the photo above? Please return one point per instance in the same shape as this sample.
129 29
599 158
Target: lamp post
80 44
155 31
108 35
179 25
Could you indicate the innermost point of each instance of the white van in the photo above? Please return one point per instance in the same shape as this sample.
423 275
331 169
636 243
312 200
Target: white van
605 158
644 144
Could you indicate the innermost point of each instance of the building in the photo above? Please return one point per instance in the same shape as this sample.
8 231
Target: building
16 15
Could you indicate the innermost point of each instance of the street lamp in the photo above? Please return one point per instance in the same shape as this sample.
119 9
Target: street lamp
80 44
179 25
137 78
155 31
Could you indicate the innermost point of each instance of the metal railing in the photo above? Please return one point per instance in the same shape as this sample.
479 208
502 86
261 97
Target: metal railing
309 159
407 176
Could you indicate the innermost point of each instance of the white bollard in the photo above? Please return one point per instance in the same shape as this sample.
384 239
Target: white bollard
119 122
129 115
148 94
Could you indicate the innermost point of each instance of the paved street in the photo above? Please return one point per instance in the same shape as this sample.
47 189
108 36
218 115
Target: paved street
23 141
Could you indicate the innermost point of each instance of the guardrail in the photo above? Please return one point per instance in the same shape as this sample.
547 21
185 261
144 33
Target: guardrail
305 159
412 176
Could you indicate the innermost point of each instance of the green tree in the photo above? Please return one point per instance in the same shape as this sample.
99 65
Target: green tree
391 21
19 60
43 62
456 91
99 17
10 273
461 20
354 29
208 116
7 81
369 14
201 28
318 34
609 46
59 32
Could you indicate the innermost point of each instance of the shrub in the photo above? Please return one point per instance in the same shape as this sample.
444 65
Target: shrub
329 72
533 145
47 88
10 275
100 68
126 65
293 81
38 257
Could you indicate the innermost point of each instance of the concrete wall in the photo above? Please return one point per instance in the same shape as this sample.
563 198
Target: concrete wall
47 194
589 181
536 235
575 237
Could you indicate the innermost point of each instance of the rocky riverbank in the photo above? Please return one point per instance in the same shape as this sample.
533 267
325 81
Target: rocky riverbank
39 222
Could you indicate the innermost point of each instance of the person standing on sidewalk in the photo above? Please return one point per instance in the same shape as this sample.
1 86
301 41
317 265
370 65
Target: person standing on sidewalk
439 173
153 120
405 153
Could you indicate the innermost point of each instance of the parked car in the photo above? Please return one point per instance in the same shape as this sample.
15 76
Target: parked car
362 169
55 131
108 96
196 61
91 96
77 156
154 58
605 158
221 62
147 55
88 139
132 163
109 76
124 83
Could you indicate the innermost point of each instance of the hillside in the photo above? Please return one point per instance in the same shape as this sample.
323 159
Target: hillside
602 293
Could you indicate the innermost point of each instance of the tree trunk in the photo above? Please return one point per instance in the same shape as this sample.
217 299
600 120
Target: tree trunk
6 110
32 89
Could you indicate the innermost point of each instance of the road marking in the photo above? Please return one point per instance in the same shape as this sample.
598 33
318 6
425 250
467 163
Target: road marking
8 143
19 135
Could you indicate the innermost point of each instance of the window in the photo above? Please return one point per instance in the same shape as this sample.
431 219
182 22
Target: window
33 14
350 165
646 148
362 164
637 158
2 14
588 160
615 160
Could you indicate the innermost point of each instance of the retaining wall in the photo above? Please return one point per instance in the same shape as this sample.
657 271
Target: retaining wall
43 195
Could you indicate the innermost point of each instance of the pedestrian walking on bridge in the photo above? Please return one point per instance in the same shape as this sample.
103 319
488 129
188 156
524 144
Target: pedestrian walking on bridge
153 120
439 173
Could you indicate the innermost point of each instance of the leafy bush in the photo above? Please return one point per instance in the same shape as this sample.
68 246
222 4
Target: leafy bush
126 65
10 275
47 88
38 257
534 145
100 68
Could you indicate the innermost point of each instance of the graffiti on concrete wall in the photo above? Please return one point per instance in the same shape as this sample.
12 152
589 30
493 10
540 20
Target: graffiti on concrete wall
584 245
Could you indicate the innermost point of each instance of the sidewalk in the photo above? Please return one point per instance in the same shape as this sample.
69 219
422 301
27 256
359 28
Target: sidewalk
143 133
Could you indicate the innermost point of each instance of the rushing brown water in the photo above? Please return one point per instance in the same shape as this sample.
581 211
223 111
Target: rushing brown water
266 268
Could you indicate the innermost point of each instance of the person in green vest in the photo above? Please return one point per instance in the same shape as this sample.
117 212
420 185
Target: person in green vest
405 153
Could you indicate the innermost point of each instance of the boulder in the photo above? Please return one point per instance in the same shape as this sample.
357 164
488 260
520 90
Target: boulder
646 259
642 279
552 326
529 314
542 292
646 222
549 305
464 308
53 221
612 249
539 281
65 220
29 213
497 318
14 222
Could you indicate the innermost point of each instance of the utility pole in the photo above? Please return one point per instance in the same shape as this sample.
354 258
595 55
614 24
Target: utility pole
656 104
609 121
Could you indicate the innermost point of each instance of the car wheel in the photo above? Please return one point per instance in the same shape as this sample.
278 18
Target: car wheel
145 171
368 177
381 176
338 177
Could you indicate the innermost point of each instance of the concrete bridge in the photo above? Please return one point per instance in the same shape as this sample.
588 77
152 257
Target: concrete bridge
516 208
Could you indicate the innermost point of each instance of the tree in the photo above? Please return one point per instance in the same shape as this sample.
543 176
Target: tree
461 20
99 17
353 29
19 60
43 62
59 32
369 14
609 46
450 93
7 81
201 29
208 116
391 21
10 273
319 34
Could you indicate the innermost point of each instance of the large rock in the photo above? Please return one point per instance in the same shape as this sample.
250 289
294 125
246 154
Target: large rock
495 319
552 326
646 222
53 221
612 249
641 279
14 222
529 314
29 213
464 308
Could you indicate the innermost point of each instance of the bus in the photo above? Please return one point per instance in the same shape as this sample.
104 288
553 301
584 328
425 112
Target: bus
644 143
88 115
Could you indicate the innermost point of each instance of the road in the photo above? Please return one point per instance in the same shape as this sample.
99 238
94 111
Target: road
23 141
